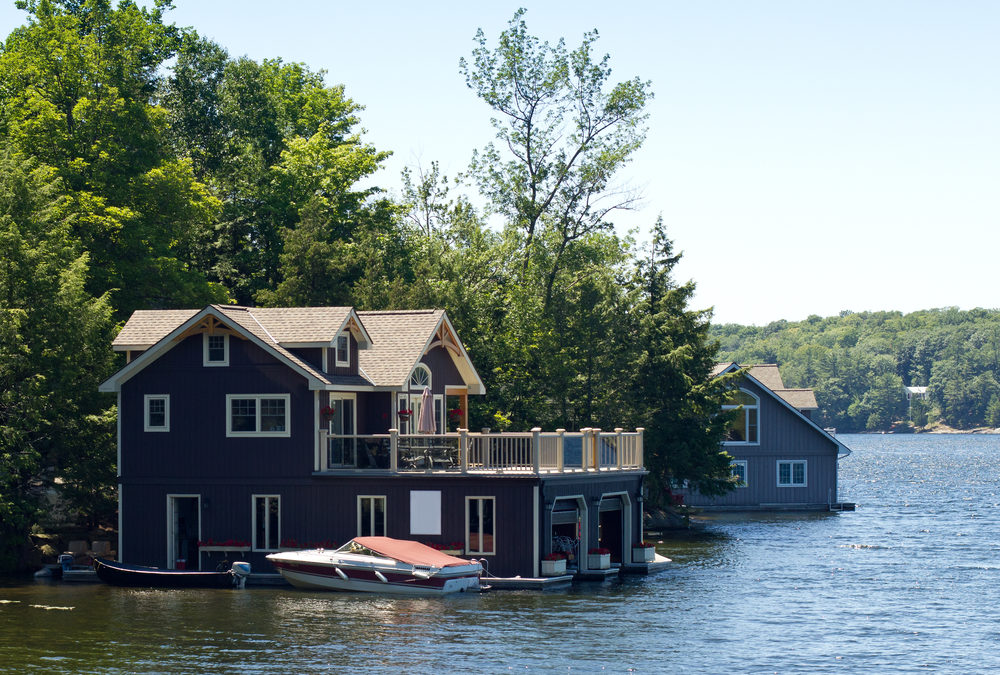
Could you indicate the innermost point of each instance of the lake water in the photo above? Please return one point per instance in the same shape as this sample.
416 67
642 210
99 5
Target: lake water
908 583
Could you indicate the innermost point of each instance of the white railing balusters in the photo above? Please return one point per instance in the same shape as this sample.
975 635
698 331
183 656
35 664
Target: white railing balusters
463 452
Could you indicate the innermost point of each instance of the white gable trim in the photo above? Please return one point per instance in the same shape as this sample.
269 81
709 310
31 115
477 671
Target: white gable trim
462 361
114 383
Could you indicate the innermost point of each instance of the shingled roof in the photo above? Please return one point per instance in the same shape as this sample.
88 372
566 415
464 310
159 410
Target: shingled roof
392 342
768 375
399 339
287 326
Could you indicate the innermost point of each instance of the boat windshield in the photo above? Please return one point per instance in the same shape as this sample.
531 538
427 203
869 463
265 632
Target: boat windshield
356 548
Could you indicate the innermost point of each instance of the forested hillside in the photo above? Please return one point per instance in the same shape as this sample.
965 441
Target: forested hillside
859 363
144 167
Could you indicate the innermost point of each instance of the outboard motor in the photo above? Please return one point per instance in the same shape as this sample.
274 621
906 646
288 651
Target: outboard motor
240 572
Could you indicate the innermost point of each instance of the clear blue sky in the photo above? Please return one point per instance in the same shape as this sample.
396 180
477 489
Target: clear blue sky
807 157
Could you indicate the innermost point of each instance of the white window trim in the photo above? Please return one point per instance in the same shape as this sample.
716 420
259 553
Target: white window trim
204 351
746 421
468 547
385 512
166 412
336 351
253 519
805 472
258 434
746 475
430 378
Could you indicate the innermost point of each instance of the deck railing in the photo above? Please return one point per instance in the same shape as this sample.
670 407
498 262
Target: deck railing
464 452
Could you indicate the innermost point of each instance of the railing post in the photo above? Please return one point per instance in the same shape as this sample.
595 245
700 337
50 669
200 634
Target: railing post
536 448
463 449
324 450
597 448
638 454
585 447
618 446
394 450
560 457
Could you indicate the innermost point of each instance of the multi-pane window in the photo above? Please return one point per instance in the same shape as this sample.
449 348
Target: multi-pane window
216 350
157 412
343 350
739 469
420 378
259 415
480 525
792 473
266 522
745 428
371 516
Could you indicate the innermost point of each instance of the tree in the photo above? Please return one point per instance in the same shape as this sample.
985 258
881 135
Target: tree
563 134
675 397
54 353
77 82
272 139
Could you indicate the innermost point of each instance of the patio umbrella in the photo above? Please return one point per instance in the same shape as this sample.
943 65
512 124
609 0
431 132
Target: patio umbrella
425 425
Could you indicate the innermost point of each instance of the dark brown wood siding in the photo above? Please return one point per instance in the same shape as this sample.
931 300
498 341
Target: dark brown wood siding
196 444
443 370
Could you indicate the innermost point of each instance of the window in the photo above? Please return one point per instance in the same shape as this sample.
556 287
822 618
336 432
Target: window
420 377
744 428
215 350
792 473
266 522
343 350
739 469
258 415
371 516
157 415
480 525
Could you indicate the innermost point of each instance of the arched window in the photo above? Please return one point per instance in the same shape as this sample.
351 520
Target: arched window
420 377
745 428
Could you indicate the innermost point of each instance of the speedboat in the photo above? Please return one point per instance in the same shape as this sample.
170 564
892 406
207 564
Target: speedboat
122 574
379 565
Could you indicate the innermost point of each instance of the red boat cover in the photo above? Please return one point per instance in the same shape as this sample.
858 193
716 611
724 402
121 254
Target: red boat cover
412 552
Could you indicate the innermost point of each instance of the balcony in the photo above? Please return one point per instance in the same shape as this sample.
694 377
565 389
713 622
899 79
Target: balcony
464 452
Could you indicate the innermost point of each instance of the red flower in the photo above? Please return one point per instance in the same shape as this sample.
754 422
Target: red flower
556 555
599 551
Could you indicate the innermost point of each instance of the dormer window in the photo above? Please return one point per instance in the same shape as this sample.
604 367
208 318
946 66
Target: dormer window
216 350
343 350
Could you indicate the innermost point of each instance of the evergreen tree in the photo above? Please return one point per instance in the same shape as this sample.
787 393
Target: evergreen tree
675 396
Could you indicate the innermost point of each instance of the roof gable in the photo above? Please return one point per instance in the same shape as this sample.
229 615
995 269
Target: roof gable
235 320
401 338
786 397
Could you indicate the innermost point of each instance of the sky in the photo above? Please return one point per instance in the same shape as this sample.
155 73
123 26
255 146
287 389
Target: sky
806 157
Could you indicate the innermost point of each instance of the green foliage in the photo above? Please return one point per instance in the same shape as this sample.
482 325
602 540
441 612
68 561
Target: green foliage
77 82
858 363
563 133
54 340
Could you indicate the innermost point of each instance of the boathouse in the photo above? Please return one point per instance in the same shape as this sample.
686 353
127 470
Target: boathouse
782 459
244 431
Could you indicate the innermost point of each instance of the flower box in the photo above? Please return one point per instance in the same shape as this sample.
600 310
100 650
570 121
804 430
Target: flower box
453 551
554 568
643 554
598 561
